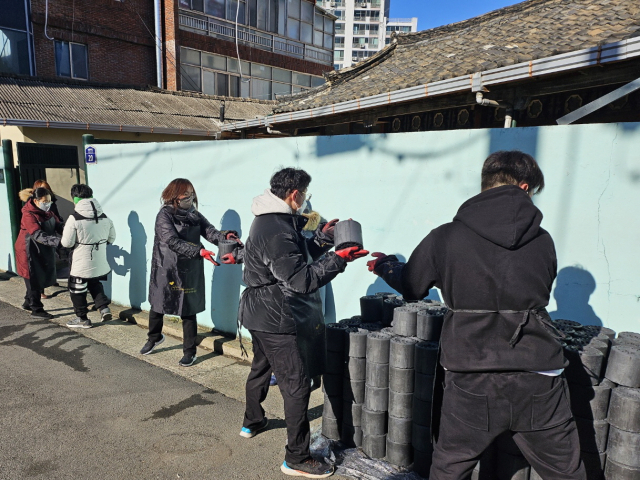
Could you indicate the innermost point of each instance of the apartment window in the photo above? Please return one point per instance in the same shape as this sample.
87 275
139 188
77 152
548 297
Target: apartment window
217 75
71 60
339 42
236 7
338 55
14 40
307 24
214 8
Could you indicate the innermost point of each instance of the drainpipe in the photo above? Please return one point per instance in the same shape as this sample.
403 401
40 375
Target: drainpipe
9 169
158 21
485 102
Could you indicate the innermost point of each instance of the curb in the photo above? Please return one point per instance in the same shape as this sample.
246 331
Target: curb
207 338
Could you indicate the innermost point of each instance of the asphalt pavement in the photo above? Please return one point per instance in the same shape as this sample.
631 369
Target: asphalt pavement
74 408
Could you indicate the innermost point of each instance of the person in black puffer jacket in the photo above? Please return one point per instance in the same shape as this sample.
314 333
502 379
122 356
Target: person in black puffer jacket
504 363
282 308
176 286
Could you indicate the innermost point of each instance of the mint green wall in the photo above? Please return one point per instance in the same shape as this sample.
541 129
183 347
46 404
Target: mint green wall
399 187
7 262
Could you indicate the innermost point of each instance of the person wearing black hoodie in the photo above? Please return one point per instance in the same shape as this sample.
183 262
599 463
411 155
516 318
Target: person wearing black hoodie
501 362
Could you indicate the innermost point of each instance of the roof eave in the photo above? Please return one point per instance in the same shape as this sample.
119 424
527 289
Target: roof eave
579 59
106 127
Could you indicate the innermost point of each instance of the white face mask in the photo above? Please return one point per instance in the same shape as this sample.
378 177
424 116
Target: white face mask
45 206
304 205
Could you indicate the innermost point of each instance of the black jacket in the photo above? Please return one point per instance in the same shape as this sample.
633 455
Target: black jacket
495 259
176 286
283 272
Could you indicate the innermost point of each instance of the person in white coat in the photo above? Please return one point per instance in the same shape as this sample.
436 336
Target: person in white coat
87 232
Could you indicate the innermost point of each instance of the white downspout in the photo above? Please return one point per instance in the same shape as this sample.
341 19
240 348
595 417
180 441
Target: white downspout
485 102
158 21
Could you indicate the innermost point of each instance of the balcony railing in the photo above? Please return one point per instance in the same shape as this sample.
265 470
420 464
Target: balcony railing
222 29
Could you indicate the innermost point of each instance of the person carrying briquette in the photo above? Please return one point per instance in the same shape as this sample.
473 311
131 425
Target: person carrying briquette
35 249
176 286
501 362
87 232
282 309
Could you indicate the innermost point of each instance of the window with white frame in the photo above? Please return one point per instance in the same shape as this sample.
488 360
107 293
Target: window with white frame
217 75
71 60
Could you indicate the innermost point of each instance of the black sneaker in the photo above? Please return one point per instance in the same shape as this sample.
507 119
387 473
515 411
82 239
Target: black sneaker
106 315
26 306
150 345
187 360
310 468
41 314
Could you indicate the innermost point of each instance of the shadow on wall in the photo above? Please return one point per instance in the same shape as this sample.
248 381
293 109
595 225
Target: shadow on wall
226 283
133 263
526 140
574 286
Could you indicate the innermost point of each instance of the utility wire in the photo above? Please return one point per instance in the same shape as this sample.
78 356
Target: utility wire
156 39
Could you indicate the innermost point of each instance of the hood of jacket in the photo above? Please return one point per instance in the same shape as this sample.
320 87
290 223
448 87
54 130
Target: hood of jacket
85 207
506 216
269 203
25 194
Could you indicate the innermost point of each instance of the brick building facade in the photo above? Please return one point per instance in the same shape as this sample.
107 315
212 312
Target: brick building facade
119 48
284 47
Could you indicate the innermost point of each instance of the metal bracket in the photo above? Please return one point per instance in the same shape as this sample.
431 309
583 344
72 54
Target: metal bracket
476 83
599 103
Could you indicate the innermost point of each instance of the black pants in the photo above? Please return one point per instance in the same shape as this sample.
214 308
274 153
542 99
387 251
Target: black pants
189 330
279 353
78 288
477 407
32 297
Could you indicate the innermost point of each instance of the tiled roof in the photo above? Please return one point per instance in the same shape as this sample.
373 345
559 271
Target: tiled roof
27 98
519 33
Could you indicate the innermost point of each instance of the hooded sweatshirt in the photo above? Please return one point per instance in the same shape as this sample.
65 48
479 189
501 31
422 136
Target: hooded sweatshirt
88 231
495 267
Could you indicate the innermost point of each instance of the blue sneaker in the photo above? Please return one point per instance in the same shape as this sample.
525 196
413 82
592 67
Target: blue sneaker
310 468
273 381
248 433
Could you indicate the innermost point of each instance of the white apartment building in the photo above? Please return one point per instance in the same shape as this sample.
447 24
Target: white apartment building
361 28
400 25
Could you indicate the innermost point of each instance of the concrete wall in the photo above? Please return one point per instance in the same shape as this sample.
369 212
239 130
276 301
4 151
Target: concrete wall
399 187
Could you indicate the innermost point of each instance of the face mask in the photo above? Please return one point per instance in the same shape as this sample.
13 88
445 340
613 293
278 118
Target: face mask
45 206
186 203
304 205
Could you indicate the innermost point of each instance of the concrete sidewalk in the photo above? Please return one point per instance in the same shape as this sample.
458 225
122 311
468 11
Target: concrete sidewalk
219 367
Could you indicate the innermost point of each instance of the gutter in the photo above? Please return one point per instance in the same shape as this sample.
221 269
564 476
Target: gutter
612 52
107 127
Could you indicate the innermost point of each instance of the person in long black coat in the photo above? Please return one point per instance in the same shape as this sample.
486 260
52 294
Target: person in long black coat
35 248
176 286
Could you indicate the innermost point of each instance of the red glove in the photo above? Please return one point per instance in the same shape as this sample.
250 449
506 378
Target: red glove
330 227
208 255
372 264
233 236
352 253
229 259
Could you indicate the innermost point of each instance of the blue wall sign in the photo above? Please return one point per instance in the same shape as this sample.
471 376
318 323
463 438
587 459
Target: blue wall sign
90 155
